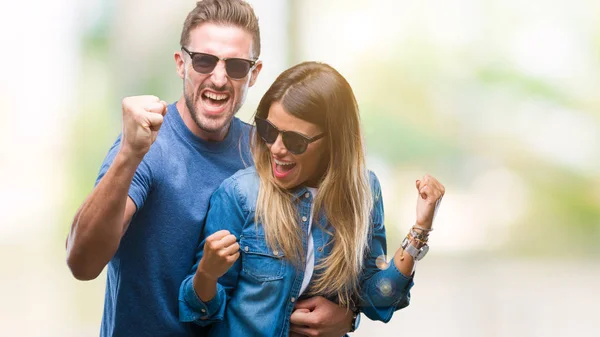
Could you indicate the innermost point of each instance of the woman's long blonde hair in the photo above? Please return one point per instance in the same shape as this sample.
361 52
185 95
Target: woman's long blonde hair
317 93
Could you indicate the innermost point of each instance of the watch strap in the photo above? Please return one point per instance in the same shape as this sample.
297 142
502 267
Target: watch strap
416 253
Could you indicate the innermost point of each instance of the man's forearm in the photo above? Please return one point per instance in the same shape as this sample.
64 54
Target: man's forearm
100 222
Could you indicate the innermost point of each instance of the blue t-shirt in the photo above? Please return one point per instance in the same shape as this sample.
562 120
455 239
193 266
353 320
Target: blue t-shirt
171 189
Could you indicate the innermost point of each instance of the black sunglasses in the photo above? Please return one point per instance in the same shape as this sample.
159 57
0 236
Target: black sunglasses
294 142
237 68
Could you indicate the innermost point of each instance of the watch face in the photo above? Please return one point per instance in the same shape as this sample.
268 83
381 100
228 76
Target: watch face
404 243
423 252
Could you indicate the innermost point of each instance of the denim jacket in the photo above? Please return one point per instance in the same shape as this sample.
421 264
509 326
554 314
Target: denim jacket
256 296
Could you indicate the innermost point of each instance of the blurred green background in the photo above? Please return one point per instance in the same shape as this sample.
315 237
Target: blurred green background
500 100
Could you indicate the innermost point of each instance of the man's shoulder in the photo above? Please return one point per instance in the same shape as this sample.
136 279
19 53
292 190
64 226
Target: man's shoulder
167 142
245 127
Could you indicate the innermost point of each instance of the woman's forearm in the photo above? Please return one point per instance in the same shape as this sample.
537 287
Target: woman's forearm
405 262
205 287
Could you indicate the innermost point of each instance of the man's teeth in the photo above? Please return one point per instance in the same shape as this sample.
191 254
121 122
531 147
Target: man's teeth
216 97
281 163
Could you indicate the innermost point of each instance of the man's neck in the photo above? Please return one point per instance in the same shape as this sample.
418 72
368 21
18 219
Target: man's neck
189 122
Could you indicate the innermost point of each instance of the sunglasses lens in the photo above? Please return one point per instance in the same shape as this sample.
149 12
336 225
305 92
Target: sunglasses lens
294 142
237 68
266 131
204 63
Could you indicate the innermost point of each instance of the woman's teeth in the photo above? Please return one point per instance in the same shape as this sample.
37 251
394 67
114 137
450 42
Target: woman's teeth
283 163
283 167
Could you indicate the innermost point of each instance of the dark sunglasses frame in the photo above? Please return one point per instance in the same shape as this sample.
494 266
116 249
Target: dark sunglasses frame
296 145
216 59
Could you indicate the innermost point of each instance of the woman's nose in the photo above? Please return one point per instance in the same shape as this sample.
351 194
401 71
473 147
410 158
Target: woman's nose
278 148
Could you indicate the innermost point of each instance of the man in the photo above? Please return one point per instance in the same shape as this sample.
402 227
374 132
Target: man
144 216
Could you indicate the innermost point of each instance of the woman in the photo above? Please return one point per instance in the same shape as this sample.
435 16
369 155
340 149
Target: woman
306 220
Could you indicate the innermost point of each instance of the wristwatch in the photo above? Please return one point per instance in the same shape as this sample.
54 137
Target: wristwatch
416 253
355 320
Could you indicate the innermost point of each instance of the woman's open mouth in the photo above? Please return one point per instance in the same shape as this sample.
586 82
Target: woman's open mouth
282 168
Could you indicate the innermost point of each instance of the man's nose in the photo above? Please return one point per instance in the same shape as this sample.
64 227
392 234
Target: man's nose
219 74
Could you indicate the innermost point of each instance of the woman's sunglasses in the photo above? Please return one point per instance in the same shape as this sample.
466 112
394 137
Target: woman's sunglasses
236 68
294 142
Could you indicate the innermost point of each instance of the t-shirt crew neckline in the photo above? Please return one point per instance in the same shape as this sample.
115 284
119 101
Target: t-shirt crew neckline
199 143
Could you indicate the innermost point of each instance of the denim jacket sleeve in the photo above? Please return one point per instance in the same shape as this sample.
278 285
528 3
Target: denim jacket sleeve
384 289
224 212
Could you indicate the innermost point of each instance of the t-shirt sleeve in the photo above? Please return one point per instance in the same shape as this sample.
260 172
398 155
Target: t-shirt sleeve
142 179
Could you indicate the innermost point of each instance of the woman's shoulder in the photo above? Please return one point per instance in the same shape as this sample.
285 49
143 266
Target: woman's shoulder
244 178
242 185
374 181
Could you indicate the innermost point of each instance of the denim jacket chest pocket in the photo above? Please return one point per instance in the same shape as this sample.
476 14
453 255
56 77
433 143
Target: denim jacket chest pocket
259 261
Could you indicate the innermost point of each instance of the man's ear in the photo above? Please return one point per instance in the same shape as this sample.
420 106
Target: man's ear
255 72
179 63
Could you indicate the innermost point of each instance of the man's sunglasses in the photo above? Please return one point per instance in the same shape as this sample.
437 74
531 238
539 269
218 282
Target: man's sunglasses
237 68
294 142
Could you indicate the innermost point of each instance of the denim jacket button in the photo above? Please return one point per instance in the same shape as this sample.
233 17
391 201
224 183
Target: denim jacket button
246 248
304 218
293 299
203 310
307 195
275 252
